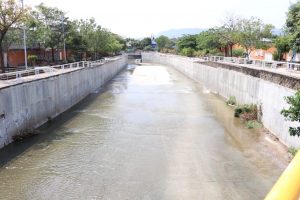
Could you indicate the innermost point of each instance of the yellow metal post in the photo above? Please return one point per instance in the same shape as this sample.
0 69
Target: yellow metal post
288 185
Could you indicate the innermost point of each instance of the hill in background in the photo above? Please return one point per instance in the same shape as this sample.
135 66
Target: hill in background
175 33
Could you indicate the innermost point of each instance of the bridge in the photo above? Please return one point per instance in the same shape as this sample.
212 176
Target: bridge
134 56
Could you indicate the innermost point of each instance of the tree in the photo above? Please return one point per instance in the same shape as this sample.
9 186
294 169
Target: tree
164 42
12 13
146 42
209 40
252 33
228 33
187 41
293 26
282 44
293 112
75 41
133 44
49 21
121 40
114 45
87 30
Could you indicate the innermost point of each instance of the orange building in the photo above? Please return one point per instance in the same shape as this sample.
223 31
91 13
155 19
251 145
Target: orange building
261 54
15 57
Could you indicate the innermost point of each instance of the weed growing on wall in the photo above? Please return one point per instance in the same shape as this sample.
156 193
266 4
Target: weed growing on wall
231 101
249 114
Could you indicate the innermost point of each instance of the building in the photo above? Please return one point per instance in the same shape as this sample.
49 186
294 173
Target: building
15 56
262 54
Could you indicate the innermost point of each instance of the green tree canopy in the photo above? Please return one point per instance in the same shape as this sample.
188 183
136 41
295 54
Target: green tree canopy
47 25
164 42
12 15
187 41
293 26
252 33
282 43
209 39
228 33
293 112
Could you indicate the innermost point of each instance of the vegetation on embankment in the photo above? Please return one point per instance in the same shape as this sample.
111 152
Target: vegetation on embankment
248 113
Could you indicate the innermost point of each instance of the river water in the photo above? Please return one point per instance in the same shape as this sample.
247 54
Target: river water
150 133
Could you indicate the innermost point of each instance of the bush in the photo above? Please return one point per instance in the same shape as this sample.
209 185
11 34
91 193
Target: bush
148 48
238 111
246 112
219 54
249 116
32 59
199 53
71 59
189 52
231 101
238 52
166 50
293 151
214 52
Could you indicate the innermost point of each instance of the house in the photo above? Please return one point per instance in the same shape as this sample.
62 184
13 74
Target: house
15 56
262 54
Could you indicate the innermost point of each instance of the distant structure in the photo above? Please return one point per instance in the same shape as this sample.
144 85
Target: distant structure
153 42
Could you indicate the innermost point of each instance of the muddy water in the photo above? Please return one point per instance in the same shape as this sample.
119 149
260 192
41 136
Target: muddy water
150 134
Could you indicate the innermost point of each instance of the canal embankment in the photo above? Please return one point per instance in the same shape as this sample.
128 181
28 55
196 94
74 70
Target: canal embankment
263 87
29 102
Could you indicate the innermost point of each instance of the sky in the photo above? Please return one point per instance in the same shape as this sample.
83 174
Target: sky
142 18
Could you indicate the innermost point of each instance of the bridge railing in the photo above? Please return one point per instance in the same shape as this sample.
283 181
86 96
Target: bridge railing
53 69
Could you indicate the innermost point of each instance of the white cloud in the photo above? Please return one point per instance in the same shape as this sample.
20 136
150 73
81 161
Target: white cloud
138 18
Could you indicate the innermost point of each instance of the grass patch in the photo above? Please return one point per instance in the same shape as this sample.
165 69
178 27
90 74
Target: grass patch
253 124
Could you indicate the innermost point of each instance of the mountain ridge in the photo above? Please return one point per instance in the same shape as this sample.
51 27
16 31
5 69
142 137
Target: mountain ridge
175 33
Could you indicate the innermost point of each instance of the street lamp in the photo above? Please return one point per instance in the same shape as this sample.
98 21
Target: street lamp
63 27
24 39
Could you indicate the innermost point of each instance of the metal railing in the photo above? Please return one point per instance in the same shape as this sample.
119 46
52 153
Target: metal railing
255 62
53 69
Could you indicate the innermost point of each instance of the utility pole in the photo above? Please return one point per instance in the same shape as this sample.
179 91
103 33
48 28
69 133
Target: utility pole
63 27
24 39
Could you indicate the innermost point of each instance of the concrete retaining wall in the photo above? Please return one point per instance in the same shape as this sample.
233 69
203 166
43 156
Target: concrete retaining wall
246 88
30 104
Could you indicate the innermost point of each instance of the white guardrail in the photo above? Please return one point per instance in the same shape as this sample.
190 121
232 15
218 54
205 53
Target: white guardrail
246 62
253 62
56 68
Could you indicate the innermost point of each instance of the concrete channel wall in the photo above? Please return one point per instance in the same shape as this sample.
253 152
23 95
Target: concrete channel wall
31 103
247 89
